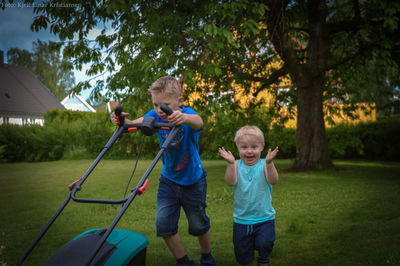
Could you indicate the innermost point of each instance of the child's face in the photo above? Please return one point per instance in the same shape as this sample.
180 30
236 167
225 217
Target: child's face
171 101
250 149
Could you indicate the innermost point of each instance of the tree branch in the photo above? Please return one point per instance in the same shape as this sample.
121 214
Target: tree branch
265 81
306 30
343 26
362 50
273 78
279 35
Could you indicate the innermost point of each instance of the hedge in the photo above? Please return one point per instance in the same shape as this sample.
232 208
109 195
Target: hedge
78 135
375 140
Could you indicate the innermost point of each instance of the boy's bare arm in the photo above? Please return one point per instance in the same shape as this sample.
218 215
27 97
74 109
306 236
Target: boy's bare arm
231 168
178 118
269 168
231 174
136 121
194 121
271 173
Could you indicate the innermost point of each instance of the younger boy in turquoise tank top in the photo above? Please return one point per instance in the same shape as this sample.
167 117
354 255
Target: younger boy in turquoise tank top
252 179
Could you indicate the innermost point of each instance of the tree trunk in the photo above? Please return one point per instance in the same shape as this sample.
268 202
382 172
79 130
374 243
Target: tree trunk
311 143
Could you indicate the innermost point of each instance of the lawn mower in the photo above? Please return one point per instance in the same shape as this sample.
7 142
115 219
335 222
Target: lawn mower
108 246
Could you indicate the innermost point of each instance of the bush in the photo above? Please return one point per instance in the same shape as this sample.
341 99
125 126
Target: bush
344 141
69 135
30 143
285 139
381 140
374 140
80 135
221 125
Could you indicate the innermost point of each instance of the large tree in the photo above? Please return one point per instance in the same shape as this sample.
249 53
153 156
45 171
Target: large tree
226 42
47 64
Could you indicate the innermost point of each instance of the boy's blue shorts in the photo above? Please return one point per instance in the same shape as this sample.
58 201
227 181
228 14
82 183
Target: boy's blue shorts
248 237
171 197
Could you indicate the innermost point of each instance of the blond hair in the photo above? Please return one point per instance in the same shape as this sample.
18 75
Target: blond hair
167 85
251 131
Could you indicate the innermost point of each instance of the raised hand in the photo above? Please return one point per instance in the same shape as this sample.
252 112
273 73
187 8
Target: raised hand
271 155
227 155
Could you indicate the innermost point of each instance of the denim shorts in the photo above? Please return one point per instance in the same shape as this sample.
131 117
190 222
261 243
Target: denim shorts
171 197
250 237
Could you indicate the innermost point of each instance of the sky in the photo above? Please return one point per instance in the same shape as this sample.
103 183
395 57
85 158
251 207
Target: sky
15 21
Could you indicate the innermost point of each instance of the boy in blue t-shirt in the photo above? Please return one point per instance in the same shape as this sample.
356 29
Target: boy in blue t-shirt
252 179
183 178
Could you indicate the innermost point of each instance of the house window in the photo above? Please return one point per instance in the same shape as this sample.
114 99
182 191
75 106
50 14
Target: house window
15 121
4 120
74 106
223 97
30 121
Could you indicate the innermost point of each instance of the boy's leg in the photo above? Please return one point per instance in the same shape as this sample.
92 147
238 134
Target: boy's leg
175 245
264 241
167 216
194 205
205 242
243 243
206 258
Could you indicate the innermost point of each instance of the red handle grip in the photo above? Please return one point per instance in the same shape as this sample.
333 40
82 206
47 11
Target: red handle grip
143 188
70 186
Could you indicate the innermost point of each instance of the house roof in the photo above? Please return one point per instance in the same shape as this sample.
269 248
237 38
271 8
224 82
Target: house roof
75 102
21 93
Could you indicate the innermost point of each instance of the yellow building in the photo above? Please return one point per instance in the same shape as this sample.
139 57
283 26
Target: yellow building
334 111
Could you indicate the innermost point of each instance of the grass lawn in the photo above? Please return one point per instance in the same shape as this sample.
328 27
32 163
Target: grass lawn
348 216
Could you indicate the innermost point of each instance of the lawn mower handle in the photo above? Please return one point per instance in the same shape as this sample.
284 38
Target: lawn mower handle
149 124
165 108
126 201
121 118
148 127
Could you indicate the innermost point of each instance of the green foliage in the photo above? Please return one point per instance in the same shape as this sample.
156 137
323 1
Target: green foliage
2 152
84 131
381 140
30 143
344 141
375 140
141 41
78 135
69 135
285 139
221 123
219 45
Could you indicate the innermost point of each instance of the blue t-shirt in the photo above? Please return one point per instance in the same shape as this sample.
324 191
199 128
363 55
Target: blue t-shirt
181 160
252 195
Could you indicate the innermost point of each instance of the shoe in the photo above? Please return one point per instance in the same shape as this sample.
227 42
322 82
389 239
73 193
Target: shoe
209 261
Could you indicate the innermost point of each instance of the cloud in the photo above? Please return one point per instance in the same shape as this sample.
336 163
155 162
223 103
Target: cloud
15 22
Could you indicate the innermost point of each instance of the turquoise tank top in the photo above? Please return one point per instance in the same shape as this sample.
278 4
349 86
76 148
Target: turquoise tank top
252 195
